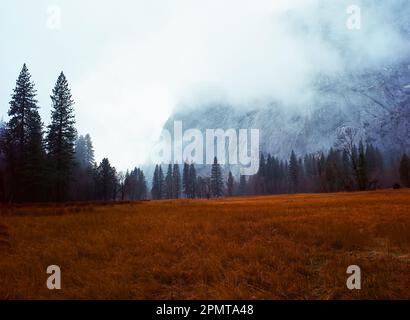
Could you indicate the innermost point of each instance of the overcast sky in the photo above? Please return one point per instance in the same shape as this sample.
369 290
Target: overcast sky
130 62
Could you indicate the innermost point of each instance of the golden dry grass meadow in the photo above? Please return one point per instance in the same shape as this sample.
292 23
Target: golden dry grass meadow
278 247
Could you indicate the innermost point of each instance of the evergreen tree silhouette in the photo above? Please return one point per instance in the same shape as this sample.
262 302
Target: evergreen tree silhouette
216 179
24 142
61 138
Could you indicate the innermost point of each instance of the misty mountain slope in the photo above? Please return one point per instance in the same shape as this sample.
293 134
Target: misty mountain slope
376 104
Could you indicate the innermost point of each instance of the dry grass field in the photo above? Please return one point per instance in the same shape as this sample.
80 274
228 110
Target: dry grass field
279 247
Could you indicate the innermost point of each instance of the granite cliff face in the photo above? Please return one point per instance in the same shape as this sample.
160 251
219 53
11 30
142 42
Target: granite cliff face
376 104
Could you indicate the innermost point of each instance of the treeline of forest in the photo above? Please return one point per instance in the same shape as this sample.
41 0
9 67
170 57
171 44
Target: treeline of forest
39 164
351 168
191 185
54 164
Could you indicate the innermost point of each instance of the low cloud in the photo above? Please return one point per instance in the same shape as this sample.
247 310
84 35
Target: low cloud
193 53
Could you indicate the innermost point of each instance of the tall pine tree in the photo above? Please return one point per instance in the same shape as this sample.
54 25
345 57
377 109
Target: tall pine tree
192 181
155 184
80 152
89 150
84 172
216 179
24 142
61 138
176 182
168 183
158 184
230 184
185 181
106 181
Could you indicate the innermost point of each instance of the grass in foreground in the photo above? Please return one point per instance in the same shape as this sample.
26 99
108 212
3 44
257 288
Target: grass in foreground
279 247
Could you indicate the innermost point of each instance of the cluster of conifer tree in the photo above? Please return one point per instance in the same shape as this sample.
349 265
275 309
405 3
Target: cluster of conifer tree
171 186
358 168
349 168
52 163
332 172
